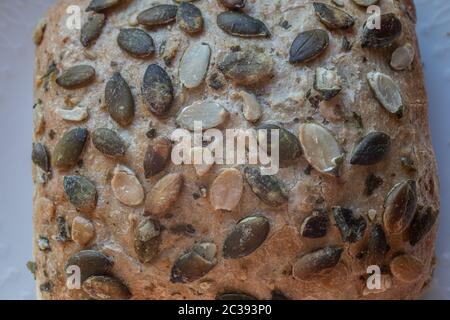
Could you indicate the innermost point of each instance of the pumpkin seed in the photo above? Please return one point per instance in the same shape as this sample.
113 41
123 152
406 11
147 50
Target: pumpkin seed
321 149
315 262
194 65
400 206
403 57
365 3
156 157
372 149
119 99
407 268
252 109
288 144
390 29
164 194
81 193
339 3
32 267
423 222
189 18
108 142
136 42
308 45
195 263
247 66
247 236
226 190
105 288
158 15
267 188
82 231
68 150
372 183
242 25
76 114
235 296
333 17
101 5
315 225
39 30
327 82
147 240
351 226
209 114
43 243
157 90
126 186
90 262
76 77
408 163
377 245
40 156
233 4
278 295
387 92
63 233
92 29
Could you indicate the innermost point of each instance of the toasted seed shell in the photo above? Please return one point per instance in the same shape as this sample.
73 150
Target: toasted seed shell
108 142
288 144
101 5
119 99
164 194
158 15
92 29
77 114
351 226
387 92
252 109
105 288
308 45
210 114
194 65
126 186
81 193
333 17
372 149
377 245
76 77
136 42
403 57
90 262
315 225
82 230
247 236
400 206
407 268
195 263
235 297
40 157
157 90
156 157
267 188
365 3
315 262
423 222
189 18
147 240
241 24
248 66
69 148
226 190
390 29
327 82
39 31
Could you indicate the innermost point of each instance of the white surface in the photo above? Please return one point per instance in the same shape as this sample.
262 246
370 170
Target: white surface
17 18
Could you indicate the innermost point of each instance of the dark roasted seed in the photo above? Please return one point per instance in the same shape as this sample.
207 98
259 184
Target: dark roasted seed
288 144
333 17
315 225
76 77
267 188
90 262
101 5
63 234
279 295
68 150
92 29
308 45
391 28
400 206
158 15
105 288
189 18
156 157
119 100
108 142
351 226
408 163
423 222
377 245
136 42
315 262
235 297
81 193
372 183
157 90
233 4
372 149
40 157
241 24
147 240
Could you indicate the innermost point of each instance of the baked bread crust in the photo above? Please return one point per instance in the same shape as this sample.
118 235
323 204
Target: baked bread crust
284 100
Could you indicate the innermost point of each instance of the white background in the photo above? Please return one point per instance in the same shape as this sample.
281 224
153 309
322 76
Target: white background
17 18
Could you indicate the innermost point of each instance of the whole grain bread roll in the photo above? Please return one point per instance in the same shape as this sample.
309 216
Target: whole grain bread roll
351 212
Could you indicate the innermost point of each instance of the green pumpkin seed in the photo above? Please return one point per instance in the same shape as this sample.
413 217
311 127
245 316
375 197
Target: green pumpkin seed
76 77
372 149
400 206
390 29
195 263
377 245
267 188
386 92
210 114
308 45
339 3
328 83
317 261
136 42
108 142
120 101
288 144
423 222
403 57
315 225
235 297
233 4
81 193
365 3
157 90
247 66
92 29
333 17
147 240
90 262
350 225
101 5
247 236
40 156
156 157
158 15
242 25
68 150
189 18
194 65
105 288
